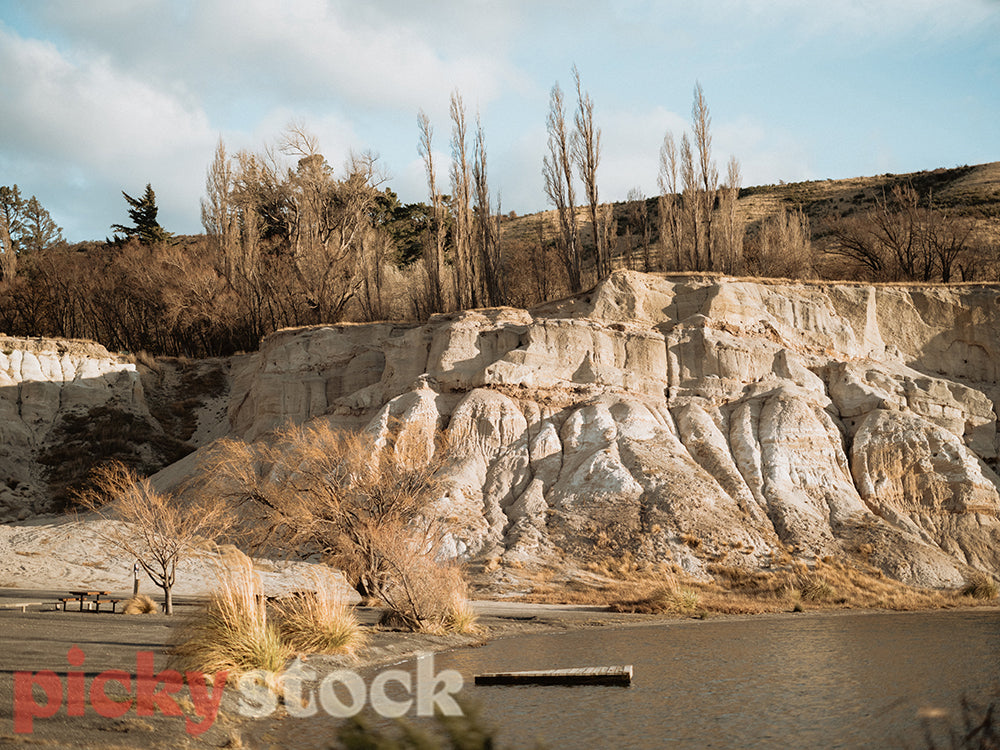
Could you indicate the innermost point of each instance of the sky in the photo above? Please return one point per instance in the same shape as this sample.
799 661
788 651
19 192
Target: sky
105 96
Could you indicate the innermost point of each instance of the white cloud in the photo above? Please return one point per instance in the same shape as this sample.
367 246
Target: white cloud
87 118
630 144
320 52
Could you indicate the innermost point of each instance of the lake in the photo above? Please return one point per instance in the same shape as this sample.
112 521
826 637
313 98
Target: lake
831 680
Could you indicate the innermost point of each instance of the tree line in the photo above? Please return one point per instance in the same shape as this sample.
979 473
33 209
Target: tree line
292 240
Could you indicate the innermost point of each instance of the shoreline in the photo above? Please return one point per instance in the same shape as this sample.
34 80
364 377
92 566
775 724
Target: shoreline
40 640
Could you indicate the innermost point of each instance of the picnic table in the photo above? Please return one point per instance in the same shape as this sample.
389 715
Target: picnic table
85 597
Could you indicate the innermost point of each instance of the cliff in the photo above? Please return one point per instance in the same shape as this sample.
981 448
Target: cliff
66 406
685 419
689 419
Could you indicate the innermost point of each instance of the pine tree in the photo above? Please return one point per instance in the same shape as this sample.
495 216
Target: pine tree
39 232
143 215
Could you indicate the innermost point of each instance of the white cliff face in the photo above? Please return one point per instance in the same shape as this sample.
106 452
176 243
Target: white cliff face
68 406
42 380
697 420
687 419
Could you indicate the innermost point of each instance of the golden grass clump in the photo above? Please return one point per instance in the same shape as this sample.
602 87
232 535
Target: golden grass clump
140 604
232 632
461 617
980 586
320 622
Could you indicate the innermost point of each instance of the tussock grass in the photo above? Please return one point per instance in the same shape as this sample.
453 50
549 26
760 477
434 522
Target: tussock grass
461 618
320 622
140 604
232 633
668 598
980 586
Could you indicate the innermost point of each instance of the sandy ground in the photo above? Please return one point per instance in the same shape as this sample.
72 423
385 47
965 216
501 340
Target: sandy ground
64 552
43 559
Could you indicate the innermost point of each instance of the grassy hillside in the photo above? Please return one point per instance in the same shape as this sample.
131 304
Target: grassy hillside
967 191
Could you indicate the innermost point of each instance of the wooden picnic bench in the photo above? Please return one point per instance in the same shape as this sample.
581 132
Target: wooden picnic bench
84 597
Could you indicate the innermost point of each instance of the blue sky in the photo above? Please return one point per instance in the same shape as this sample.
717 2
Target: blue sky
100 97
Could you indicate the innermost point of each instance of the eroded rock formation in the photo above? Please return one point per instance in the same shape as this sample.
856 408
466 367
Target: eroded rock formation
687 419
690 419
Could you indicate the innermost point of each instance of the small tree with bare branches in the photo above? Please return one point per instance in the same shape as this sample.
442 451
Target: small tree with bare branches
159 530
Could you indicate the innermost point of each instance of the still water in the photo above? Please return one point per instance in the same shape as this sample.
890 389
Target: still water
848 680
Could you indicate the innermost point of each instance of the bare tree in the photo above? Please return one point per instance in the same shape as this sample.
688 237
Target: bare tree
159 530
218 214
708 176
901 240
669 211
461 196
781 247
638 223
557 170
434 258
692 203
949 238
587 155
732 226
326 223
487 226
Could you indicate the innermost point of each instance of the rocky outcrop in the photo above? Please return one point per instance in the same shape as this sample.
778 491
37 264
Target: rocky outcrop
41 381
690 419
687 419
66 406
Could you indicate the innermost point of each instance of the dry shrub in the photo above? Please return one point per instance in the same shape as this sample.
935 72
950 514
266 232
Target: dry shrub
232 632
140 604
348 495
669 598
980 586
320 622
423 593
364 502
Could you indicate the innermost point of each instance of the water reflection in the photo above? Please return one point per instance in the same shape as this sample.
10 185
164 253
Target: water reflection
851 680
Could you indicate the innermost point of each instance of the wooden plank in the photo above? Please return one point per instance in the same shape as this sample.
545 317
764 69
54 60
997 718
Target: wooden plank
20 605
616 675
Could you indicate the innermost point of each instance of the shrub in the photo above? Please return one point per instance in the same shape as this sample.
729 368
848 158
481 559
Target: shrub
815 589
140 604
980 586
232 632
424 593
667 598
320 622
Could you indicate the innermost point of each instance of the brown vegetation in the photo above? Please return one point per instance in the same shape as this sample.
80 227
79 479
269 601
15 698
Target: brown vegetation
140 604
233 633
364 504
159 530
299 243
629 585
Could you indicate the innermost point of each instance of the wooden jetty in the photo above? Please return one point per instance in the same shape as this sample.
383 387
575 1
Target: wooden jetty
617 675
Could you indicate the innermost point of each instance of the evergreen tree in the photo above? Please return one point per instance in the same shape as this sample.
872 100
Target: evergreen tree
143 215
38 231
